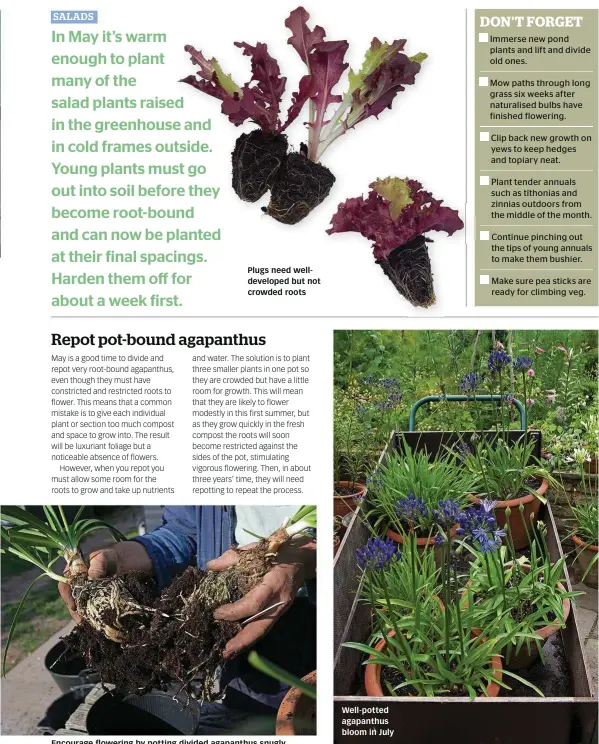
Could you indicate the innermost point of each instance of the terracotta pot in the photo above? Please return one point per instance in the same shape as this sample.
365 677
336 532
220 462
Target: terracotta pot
525 658
422 543
344 504
585 553
372 677
592 466
297 713
532 505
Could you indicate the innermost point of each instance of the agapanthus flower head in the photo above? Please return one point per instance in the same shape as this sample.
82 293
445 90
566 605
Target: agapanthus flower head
411 509
448 512
377 554
439 539
361 410
375 480
498 360
470 382
479 527
522 364
462 449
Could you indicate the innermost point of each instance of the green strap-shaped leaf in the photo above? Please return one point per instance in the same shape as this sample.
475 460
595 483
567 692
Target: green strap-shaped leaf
274 671
15 619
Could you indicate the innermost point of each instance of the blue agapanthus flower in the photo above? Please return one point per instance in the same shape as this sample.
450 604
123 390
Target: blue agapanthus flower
462 449
470 382
377 554
523 364
479 527
411 509
498 360
448 512
439 539
375 480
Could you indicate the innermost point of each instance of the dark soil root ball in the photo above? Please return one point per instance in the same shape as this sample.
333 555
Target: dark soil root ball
409 268
179 642
300 187
256 160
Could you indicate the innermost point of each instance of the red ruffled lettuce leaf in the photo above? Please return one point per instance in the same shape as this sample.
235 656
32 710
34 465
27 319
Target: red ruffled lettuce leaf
206 79
371 217
377 90
262 100
258 100
302 39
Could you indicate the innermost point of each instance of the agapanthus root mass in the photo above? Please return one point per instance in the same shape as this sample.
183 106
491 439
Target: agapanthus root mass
159 638
256 160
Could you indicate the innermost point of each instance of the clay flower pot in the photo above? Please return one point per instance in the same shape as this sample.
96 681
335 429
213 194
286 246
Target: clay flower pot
525 658
592 466
372 677
422 543
344 504
585 553
532 505
297 713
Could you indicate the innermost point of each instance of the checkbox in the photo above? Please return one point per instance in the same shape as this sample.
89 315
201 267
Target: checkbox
483 82
483 37
483 181
483 235
483 136
483 279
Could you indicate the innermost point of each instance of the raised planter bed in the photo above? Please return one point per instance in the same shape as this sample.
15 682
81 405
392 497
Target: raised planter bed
568 713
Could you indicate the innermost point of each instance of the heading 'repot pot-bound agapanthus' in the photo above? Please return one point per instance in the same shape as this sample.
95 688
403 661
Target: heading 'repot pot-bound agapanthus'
304 182
258 155
136 636
395 216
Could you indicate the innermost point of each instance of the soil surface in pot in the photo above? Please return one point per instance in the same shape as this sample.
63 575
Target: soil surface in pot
177 639
347 491
552 678
394 677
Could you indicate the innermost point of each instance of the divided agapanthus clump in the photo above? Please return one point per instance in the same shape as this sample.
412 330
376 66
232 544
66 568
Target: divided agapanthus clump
258 155
395 216
136 636
303 182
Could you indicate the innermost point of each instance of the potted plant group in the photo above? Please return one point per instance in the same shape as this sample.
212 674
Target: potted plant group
586 538
525 594
507 473
410 488
423 644
362 423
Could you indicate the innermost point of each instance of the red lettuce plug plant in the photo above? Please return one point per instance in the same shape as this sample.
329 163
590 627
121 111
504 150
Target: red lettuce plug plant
394 216
303 182
258 155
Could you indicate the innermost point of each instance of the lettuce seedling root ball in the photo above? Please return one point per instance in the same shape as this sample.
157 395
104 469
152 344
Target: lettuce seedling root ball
301 185
256 160
409 268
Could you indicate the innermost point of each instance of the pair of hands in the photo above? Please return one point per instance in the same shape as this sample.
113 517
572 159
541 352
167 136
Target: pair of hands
294 564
